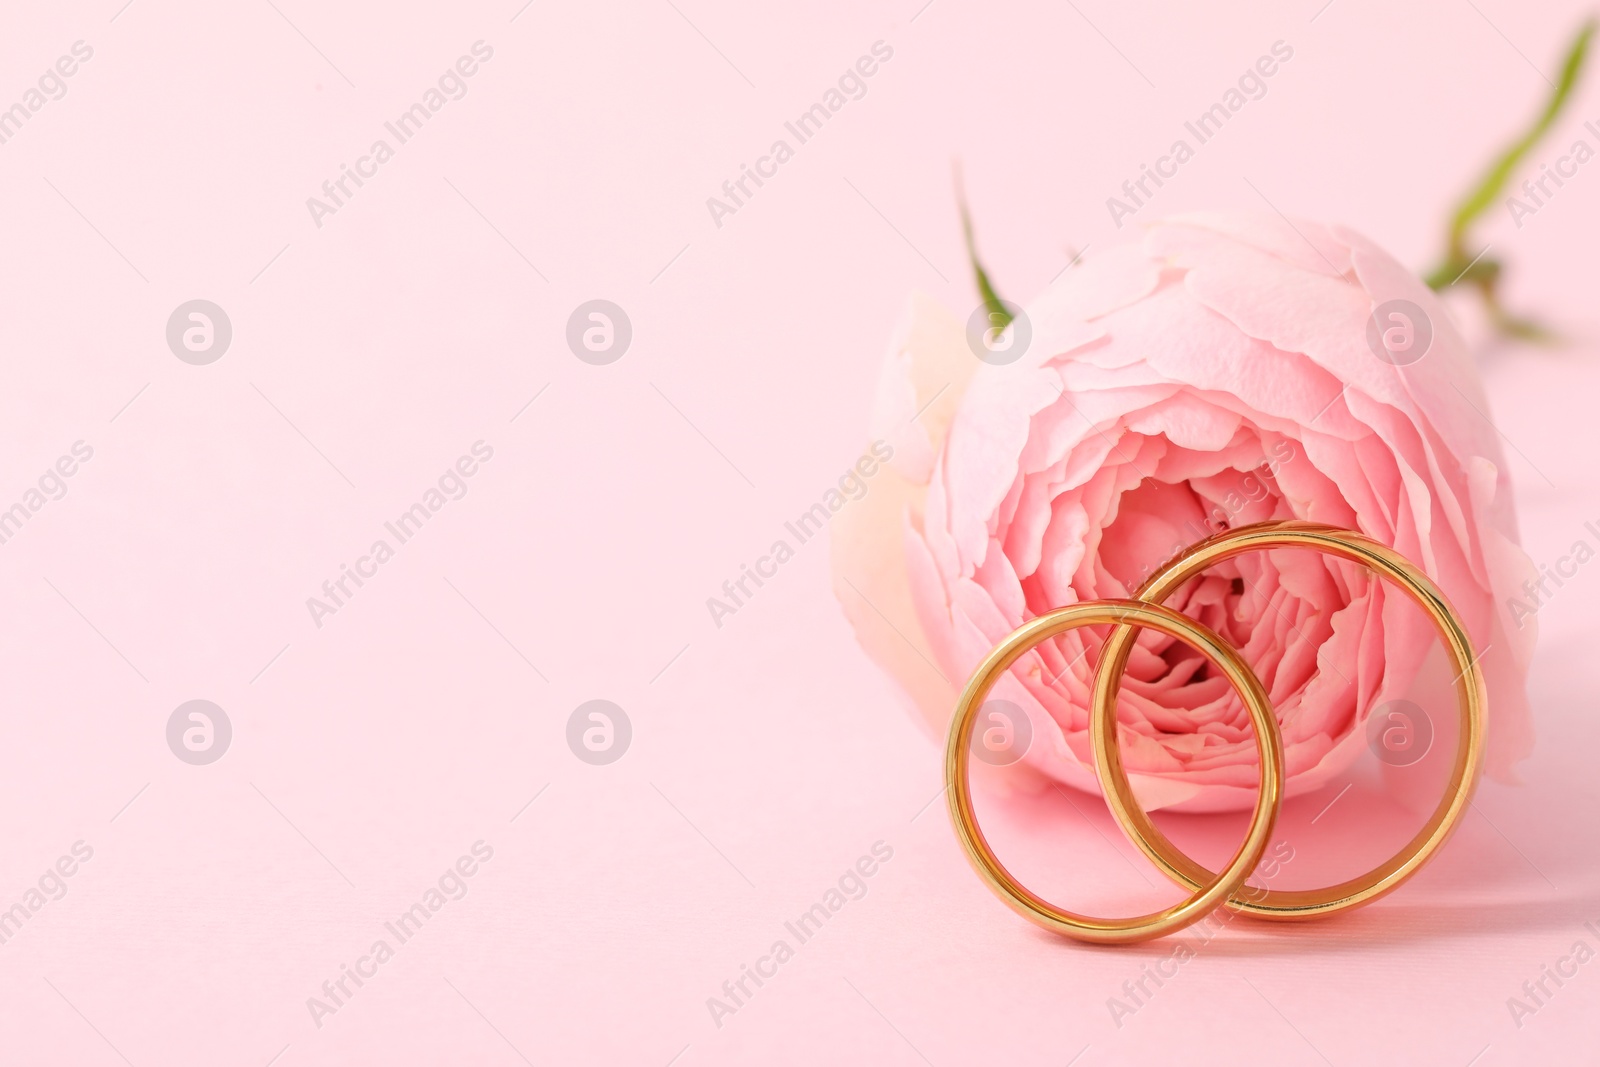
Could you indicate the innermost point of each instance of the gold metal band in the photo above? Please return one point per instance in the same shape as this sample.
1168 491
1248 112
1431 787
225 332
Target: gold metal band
1471 701
1208 889
1217 888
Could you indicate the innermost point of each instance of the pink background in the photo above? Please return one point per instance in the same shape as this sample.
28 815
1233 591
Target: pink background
767 754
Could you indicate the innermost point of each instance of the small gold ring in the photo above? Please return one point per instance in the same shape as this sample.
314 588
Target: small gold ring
1386 877
1211 890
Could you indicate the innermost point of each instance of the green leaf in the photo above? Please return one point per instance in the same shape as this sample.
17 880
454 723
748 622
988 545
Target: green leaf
998 315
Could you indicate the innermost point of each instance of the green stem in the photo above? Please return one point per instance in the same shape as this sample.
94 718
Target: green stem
998 315
1459 262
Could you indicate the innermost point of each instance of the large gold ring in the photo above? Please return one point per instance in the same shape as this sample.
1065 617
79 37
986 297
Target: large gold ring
1471 701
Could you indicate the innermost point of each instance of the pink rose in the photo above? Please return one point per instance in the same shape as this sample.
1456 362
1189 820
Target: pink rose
1217 371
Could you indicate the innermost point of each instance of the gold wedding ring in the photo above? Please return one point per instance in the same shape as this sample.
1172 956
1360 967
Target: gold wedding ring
1210 889
1205 898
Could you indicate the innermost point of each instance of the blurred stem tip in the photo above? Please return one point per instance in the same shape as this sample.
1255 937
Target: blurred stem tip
998 315
1460 263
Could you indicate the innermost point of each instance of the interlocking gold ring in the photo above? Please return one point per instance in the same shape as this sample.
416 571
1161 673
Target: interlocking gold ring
1471 701
1218 888
1228 887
